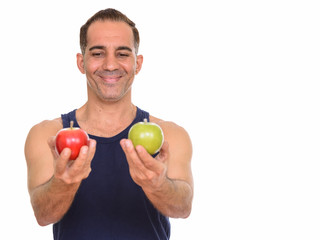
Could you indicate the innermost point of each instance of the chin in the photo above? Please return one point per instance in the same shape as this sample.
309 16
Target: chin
112 94
112 98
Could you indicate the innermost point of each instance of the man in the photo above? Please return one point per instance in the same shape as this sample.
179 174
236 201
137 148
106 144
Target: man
112 190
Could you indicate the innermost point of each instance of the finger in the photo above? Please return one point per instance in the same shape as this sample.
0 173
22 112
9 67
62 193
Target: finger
84 159
79 164
131 154
128 148
92 147
147 160
91 152
62 161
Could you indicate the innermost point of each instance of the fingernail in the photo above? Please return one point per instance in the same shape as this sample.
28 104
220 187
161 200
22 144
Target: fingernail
127 143
122 143
66 152
84 149
139 149
92 143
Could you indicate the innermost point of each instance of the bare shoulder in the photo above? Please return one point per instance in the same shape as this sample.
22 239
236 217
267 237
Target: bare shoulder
180 144
40 132
38 153
47 126
44 129
171 129
180 148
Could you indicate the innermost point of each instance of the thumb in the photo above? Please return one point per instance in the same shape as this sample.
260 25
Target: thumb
62 161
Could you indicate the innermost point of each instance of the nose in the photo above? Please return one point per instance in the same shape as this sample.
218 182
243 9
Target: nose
110 63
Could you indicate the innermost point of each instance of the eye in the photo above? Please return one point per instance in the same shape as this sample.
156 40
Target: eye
97 54
123 54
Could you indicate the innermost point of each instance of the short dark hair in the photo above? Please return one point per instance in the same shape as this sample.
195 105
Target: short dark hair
112 15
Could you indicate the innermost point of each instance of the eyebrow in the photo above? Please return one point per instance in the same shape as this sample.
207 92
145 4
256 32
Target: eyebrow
118 48
124 48
96 47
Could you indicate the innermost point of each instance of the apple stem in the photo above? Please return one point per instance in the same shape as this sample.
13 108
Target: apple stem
71 124
145 120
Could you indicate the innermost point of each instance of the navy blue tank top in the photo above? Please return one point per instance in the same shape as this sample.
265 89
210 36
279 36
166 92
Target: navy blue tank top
109 204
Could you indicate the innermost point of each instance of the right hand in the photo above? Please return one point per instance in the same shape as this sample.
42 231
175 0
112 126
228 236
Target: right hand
71 172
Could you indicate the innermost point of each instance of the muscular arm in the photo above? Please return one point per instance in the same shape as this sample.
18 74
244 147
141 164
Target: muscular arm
167 179
51 200
53 180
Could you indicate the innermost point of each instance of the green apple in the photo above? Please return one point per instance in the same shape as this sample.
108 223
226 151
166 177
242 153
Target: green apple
147 134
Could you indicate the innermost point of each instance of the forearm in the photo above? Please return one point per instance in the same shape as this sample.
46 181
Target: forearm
173 198
52 200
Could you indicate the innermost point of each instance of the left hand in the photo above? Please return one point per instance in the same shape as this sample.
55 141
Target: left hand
148 172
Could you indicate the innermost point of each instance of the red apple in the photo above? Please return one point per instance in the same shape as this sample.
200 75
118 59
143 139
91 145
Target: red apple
72 138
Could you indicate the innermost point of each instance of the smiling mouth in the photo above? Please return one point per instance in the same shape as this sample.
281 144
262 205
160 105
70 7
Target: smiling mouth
110 76
112 79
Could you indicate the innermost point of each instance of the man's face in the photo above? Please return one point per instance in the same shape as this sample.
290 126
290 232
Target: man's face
109 62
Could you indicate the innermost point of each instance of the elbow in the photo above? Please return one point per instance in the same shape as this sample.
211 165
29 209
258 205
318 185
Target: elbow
40 217
42 223
184 210
187 208
181 212
42 220
43 217
185 213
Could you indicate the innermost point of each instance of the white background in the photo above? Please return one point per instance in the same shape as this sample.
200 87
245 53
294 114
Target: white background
242 77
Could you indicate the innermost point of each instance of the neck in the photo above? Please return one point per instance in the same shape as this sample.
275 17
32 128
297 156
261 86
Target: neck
106 119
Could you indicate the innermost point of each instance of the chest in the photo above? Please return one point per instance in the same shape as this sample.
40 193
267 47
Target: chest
104 130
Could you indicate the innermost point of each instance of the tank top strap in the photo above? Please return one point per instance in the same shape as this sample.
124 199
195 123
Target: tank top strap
66 118
141 115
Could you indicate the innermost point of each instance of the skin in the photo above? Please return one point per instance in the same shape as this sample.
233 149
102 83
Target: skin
53 180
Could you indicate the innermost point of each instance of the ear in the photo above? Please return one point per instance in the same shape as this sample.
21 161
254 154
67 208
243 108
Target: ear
139 62
80 63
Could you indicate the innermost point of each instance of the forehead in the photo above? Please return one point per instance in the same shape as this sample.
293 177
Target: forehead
109 32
